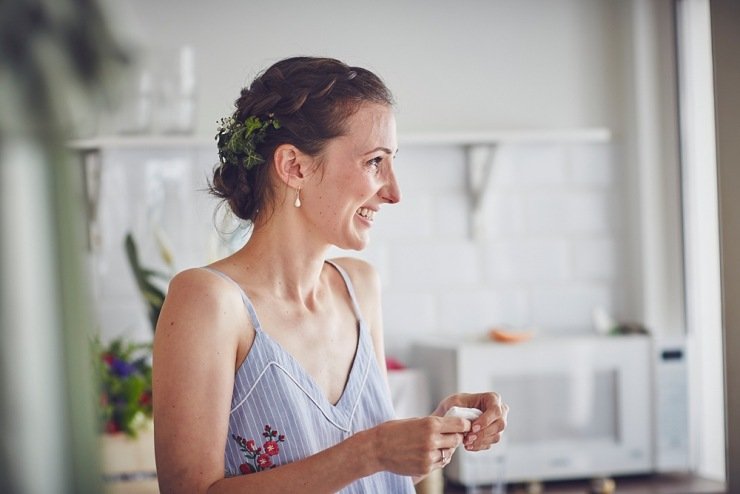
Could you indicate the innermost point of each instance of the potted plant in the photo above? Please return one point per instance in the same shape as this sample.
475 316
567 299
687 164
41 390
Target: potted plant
125 377
125 373
125 409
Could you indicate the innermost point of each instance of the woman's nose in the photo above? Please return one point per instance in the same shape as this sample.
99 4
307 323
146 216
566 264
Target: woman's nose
391 192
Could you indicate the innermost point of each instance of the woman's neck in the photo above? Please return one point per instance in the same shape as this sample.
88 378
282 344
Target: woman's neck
287 266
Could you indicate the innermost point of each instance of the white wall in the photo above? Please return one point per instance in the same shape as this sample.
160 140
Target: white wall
452 65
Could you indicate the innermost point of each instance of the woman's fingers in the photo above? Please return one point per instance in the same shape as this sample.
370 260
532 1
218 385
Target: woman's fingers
493 409
485 437
449 441
445 455
417 446
487 429
454 425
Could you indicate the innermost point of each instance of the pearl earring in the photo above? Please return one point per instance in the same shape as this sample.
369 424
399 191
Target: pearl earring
297 202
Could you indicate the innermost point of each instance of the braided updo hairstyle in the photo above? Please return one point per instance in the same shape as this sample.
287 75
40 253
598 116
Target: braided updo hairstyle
311 98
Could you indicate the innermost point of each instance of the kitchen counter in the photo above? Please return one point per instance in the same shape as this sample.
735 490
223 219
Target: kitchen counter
642 484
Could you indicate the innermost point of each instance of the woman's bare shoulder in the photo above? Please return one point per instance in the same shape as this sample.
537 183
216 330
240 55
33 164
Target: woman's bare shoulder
202 287
364 276
366 283
199 296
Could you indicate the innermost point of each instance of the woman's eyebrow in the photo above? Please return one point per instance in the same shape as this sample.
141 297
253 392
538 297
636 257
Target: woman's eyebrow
380 148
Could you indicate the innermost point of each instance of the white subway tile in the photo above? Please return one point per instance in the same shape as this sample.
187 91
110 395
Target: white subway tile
409 312
596 259
426 264
527 166
503 215
527 260
412 218
592 164
430 168
569 307
569 212
474 312
590 212
451 217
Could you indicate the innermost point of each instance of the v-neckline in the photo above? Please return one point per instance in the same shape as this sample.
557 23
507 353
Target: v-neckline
344 405
316 390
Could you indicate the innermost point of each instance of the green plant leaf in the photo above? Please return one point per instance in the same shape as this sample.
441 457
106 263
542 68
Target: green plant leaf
152 295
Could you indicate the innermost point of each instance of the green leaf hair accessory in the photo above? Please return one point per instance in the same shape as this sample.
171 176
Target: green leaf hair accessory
237 141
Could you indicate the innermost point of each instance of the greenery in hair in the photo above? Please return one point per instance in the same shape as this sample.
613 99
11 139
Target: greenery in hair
237 141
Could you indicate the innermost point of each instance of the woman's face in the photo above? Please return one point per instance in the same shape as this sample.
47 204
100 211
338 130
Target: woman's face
343 197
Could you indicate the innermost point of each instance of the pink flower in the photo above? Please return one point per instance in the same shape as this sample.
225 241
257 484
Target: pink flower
264 461
250 445
271 448
246 468
145 398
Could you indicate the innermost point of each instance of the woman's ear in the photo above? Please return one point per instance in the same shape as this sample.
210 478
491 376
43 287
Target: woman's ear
291 165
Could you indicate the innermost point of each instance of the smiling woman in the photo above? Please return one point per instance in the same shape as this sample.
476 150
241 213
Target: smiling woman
269 368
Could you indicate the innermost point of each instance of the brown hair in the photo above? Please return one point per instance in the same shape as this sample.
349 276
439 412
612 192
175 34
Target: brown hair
311 98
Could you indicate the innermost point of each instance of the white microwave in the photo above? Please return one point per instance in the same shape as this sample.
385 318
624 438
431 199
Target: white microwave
580 406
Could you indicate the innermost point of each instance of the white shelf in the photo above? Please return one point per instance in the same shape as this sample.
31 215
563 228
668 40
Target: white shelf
452 138
141 142
480 150
510 136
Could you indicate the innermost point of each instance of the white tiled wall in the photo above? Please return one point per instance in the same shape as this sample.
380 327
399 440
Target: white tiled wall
550 249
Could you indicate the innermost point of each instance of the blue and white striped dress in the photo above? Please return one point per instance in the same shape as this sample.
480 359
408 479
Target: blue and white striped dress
280 415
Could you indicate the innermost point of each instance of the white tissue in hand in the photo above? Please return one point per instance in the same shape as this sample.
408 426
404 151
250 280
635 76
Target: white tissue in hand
462 412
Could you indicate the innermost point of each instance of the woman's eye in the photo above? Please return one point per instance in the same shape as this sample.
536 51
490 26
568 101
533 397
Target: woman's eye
375 163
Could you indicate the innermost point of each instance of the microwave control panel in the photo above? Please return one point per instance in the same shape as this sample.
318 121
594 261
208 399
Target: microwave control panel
672 406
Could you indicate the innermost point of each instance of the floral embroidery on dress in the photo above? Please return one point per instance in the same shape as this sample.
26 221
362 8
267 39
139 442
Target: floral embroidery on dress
259 457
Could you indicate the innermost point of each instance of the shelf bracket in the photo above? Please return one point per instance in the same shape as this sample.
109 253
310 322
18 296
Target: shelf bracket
479 162
92 172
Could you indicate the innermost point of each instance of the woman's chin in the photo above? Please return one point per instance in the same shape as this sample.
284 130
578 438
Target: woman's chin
356 244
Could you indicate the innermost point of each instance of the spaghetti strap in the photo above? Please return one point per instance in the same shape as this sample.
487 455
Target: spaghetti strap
247 303
350 288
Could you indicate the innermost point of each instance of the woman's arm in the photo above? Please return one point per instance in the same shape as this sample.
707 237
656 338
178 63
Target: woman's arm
195 355
406 447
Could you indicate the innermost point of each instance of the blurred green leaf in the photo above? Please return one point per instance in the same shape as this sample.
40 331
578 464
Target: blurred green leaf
152 295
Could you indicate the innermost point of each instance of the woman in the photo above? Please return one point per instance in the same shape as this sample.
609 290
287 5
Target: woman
269 364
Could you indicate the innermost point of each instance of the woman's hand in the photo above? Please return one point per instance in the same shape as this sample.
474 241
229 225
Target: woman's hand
486 429
417 446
